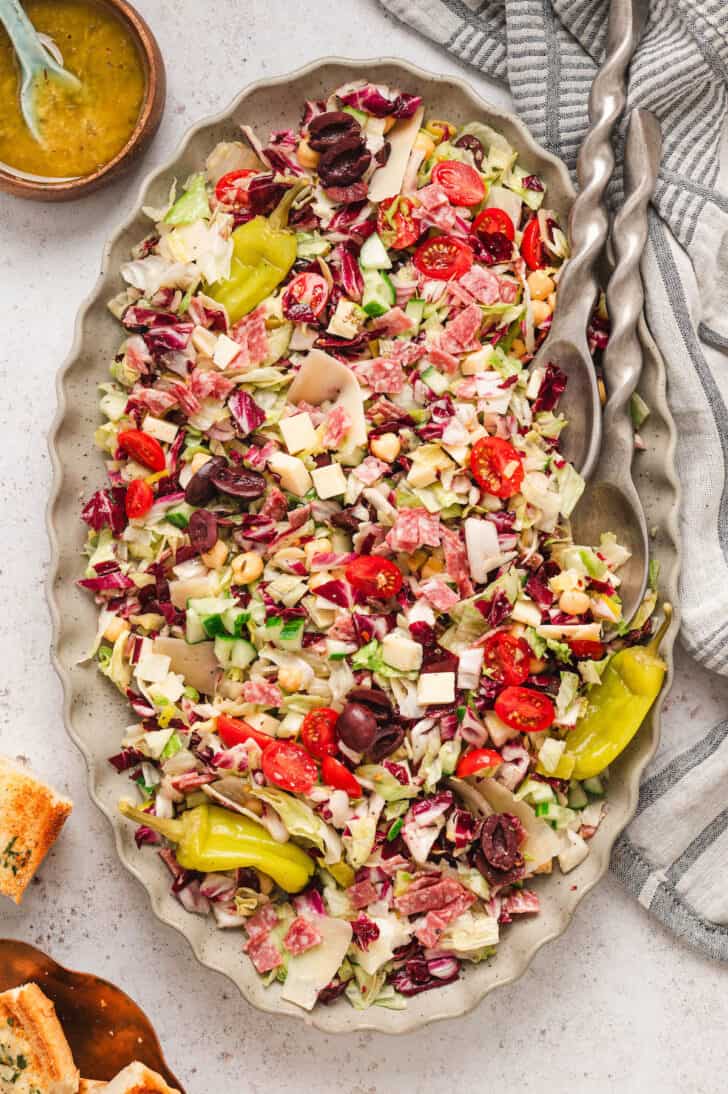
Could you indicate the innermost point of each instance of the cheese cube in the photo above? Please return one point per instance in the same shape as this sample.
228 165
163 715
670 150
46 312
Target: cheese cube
476 362
226 350
292 472
329 481
152 668
347 320
204 341
526 611
436 687
157 427
421 474
401 652
298 432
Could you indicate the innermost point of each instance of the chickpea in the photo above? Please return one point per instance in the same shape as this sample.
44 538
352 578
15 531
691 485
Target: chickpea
540 311
247 568
290 678
216 557
540 285
386 446
574 603
306 155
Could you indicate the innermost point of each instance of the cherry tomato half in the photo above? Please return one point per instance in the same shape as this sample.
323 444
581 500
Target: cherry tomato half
506 658
443 258
289 766
231 189
478 759
337 775
524 709
461 182
374 576
305 297
531 245
398 229
234 731
494 220
497 466
586 648
139 499
143 448
318 733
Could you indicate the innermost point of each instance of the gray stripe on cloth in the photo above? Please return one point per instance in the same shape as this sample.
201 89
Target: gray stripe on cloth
695 849
658 784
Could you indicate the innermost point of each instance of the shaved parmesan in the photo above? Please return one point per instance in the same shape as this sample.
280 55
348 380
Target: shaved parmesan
196 664
387 181
323 379
311 971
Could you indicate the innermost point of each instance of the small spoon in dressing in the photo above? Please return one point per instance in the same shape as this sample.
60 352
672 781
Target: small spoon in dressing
36 61
611 501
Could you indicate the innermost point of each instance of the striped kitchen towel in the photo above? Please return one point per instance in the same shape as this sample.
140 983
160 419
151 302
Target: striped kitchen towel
674 856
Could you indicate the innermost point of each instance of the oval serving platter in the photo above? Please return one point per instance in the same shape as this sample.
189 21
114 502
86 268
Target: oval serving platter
94 712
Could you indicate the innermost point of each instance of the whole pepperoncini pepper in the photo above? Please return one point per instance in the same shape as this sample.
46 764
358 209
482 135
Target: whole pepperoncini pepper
618 705
210 838
264 250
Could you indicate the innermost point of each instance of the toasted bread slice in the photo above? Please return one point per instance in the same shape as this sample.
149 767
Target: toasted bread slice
90 1086
137 1078
31 818
34 1053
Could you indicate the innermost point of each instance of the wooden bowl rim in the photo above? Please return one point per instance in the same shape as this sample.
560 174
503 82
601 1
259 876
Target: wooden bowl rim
146 125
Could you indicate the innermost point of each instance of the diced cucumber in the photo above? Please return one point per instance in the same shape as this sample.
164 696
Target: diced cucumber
535 791
234 619
180 515
291 634
436 381
373 254
594 786
244 653
577 797
235 652
194 631
415 310
210 611
379 295
557 815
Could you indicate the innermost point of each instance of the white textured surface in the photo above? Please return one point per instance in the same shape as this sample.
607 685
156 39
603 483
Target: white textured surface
615 1005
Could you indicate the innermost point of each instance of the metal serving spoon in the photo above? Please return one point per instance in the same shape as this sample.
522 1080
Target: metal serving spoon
611 500
566 345
36 62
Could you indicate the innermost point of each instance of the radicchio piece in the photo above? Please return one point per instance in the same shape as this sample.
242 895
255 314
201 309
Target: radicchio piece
248 416
420 974
347 272
365 931
552 388
492 247
496 610
264 194
106 507
532 182
380 102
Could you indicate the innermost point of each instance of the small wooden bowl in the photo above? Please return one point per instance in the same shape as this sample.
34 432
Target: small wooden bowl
147 124
104 1027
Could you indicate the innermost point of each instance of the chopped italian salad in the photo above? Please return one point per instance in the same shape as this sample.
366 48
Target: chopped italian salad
333 560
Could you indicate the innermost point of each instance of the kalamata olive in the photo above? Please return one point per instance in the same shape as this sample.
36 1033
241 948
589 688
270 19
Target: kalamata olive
473 145
326 130
387 741
202 530
345 519
356 726
377 701
345 162
200 489
239 482
383 154
499 857
264 194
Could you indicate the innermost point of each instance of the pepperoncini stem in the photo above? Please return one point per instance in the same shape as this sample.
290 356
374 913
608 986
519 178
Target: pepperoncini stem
172 830
278 219
655 642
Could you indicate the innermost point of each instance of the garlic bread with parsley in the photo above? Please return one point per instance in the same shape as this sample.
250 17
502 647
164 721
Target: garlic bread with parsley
32 815
35 1057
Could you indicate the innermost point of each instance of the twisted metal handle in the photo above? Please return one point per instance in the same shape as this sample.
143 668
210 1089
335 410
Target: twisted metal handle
588 223
625 294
